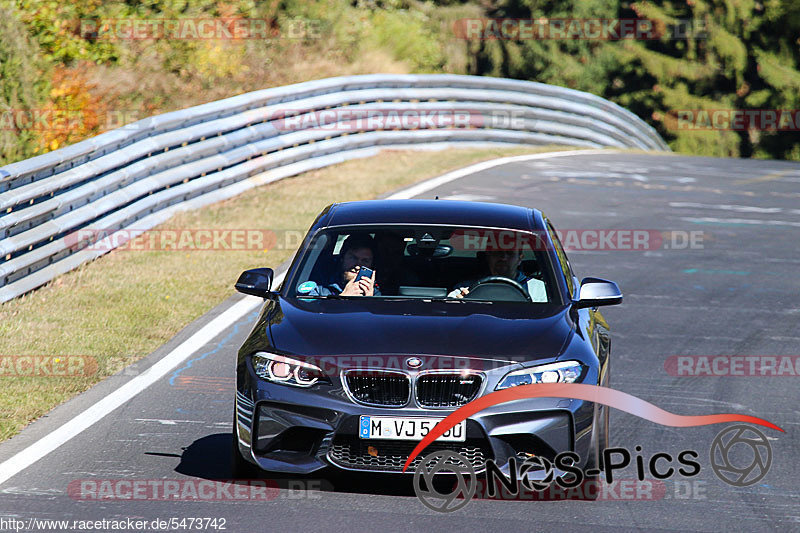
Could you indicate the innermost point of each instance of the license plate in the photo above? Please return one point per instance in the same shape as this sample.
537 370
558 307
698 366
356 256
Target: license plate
406 428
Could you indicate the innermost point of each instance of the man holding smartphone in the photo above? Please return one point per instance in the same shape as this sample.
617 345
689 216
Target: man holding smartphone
355 277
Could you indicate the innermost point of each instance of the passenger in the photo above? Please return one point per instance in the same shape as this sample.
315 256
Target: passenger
357 251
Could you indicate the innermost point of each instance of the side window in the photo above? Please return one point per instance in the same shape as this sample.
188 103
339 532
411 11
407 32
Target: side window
562 258
311 267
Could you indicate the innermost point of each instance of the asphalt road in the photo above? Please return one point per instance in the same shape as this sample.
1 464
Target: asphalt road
734 293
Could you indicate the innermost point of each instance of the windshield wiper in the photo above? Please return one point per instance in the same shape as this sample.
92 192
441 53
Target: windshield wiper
460 300
402 298
323 297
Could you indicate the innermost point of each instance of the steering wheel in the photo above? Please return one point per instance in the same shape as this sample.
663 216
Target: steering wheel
498 282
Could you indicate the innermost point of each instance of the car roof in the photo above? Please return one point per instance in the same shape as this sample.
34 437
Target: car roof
449 212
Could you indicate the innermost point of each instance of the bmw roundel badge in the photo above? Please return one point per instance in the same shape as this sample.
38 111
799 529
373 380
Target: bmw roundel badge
414 362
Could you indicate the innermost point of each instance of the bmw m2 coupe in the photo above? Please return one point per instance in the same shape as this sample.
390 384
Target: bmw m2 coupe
393 314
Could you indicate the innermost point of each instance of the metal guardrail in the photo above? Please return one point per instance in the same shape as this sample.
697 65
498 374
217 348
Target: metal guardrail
139 175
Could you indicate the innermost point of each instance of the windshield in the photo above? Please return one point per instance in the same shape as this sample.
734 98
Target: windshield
425 262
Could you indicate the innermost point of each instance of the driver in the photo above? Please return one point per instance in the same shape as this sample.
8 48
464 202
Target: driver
505 263
357 251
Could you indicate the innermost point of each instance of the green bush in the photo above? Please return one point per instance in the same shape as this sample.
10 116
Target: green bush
23 88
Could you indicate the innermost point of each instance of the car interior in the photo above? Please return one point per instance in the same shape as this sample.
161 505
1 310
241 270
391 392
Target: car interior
421 263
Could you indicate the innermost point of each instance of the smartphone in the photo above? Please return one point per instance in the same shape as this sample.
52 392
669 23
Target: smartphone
364 272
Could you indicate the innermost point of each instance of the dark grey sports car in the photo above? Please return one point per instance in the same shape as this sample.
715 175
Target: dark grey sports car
393 314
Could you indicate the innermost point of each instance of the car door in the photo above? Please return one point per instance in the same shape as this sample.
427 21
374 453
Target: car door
591 323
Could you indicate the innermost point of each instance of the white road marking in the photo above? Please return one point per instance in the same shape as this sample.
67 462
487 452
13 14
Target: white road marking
742 221
167 422
468 197
594 174
96 412
26 457
432 183
724 207
34 491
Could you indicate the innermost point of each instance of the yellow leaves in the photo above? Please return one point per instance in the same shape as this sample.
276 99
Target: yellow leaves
72 112
213 61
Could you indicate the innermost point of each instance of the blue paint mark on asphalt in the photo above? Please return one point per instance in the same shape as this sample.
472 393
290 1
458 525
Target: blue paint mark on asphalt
218 347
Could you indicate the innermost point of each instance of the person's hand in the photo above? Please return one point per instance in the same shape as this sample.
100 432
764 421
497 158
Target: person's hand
362 287
458 293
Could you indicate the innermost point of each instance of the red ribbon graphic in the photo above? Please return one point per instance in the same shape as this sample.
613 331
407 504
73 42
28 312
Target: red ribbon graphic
578 391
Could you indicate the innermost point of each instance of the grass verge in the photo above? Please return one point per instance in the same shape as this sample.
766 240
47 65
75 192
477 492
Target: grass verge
119 308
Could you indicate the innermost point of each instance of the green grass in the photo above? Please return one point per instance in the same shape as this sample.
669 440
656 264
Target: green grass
126 304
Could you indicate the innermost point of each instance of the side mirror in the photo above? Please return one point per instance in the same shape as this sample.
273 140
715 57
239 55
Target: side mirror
595 292
256 282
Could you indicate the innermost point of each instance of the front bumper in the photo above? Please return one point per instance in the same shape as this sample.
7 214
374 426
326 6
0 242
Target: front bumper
295 430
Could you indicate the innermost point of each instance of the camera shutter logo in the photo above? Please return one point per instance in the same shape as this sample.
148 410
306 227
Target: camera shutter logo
536 473
451 463
729 452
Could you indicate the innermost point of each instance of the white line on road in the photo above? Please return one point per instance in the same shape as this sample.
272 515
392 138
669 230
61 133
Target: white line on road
87 418
90 416
725 207
432 183
712 220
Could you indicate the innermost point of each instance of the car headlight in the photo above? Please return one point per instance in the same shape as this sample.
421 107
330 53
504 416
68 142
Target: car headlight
563 372
281 369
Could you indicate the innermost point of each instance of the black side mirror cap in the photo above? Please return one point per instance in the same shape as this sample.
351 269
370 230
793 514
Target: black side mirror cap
255 282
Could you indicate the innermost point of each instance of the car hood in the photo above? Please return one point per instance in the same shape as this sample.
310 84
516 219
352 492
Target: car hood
498 332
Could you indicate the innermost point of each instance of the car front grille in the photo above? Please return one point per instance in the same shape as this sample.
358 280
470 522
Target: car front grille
390 455
378 387
447 389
